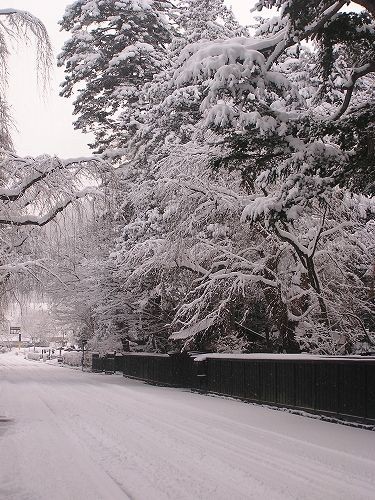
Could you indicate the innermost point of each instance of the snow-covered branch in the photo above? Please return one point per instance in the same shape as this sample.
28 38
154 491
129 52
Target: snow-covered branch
22 24
309 31
40 168
34 220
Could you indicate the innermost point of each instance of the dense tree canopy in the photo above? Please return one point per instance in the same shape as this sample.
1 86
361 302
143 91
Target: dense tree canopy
240 215
236 208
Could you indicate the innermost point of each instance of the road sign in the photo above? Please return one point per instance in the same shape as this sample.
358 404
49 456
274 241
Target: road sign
16 330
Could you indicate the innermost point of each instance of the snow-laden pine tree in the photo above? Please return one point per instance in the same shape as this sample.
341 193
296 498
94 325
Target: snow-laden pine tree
185 264
277 135
147 308
205 20
166 123
114 49
247 90
173 112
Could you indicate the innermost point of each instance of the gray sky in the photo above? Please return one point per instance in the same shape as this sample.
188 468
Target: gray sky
44 122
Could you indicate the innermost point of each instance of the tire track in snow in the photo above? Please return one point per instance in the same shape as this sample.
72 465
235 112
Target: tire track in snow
157 443
270 458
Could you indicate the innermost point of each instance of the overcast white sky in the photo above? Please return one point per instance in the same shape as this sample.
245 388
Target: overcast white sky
44 123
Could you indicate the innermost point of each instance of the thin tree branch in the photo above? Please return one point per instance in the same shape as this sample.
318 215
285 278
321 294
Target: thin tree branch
41 221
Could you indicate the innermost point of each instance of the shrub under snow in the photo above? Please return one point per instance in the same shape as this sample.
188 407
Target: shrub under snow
74 358
34 355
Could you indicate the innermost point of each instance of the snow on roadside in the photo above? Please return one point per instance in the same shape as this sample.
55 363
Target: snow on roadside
77 435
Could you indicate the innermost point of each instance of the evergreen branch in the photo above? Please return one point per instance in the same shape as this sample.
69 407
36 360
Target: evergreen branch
356 74
308 32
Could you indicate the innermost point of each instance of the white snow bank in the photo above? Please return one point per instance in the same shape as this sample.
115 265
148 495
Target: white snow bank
33 355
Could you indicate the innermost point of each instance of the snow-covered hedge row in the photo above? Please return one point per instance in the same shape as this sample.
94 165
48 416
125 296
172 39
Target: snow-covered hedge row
74 358
33 355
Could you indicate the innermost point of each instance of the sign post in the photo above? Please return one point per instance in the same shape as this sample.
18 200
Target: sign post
16 330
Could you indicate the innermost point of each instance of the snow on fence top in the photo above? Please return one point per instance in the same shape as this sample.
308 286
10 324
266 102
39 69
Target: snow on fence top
282 357
156 354
259 356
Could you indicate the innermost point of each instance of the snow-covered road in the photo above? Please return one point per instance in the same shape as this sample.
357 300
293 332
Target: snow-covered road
83 436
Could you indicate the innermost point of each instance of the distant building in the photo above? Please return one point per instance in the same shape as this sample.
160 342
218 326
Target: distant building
57 341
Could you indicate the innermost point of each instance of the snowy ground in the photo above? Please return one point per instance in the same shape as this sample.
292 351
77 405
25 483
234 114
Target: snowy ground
83 436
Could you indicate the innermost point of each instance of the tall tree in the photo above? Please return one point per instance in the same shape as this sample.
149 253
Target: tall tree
296 124
173 110
114 49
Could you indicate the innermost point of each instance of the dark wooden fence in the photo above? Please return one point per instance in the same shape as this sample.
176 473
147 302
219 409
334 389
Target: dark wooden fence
96 363
110 363
161 369
341 388
336 387
158 369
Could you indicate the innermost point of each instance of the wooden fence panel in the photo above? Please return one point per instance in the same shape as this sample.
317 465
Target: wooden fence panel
268 382
213 375
370 391
285 383
305 393
252 381
337 387
352 389
326 384
238 377
97 363
226 379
